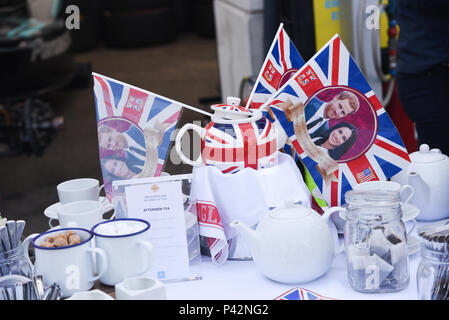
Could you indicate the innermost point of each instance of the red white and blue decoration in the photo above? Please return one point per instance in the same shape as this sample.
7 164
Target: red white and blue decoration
378 153
232 147
281 62
301 294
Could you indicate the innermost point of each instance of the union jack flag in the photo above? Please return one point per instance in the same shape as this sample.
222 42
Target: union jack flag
233 146
301 294
281 62
127 111
385 155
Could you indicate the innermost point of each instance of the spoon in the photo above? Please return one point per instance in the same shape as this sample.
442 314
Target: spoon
20 225
38 286
4 238
11 227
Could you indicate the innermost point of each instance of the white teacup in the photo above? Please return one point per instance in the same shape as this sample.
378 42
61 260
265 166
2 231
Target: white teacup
82 214
129 253
79 189
140 288
387 185
71 267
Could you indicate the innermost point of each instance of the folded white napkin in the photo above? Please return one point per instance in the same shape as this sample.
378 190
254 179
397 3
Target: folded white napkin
245 196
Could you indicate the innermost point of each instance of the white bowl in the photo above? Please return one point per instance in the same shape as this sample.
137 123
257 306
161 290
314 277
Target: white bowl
140 288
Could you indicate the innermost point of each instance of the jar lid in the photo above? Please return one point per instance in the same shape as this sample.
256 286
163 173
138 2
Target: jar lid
373 198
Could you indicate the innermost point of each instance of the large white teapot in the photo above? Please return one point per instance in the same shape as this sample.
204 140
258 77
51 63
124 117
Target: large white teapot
291 244
428 174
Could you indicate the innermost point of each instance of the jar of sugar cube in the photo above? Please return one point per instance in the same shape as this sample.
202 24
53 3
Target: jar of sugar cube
375 241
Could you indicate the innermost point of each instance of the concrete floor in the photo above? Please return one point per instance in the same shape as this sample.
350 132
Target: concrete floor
185 70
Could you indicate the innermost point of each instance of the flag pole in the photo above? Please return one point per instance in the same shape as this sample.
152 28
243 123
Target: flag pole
196 110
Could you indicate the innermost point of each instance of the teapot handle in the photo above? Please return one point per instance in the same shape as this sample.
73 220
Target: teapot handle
326 215
184 129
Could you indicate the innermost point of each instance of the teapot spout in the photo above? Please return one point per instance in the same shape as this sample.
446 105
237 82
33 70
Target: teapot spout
249 235
420 187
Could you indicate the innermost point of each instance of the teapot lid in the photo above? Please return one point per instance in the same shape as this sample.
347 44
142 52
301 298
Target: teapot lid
232 112
290 211
232 107
426 155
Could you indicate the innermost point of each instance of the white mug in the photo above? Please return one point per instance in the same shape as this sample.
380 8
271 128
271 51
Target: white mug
387 185
71 267
82 214
140 288
79 189
129 253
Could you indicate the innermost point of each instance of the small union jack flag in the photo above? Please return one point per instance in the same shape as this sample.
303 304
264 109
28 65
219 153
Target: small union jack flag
301 294
383 155
281 62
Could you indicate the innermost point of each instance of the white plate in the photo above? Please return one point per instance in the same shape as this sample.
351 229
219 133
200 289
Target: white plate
413 245
52 213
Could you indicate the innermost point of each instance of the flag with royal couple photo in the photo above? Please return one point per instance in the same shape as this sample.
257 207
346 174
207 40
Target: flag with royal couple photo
134 130
336 124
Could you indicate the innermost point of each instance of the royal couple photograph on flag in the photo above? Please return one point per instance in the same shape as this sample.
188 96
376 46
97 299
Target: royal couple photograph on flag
335 124
134 130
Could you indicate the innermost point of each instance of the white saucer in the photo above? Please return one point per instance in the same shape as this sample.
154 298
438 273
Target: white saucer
59 227
52 213
413 245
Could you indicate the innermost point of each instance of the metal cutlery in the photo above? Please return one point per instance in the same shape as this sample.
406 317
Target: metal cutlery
53 292
20 225
11 228
5 238
10 234
16 287
39 287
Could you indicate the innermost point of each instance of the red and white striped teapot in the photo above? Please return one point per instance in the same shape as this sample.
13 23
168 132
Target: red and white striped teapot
236 138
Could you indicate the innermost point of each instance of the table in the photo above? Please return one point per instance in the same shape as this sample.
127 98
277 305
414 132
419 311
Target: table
241 280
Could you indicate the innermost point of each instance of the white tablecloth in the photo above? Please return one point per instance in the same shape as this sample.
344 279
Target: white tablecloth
240 280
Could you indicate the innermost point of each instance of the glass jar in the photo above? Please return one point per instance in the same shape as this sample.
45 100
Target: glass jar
375 241
433 272
433 275
14 262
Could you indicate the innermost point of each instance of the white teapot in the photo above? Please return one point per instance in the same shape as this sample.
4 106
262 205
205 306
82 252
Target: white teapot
291 244
428 174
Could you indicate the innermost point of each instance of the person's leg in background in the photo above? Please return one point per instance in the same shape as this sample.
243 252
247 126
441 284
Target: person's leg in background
425 99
